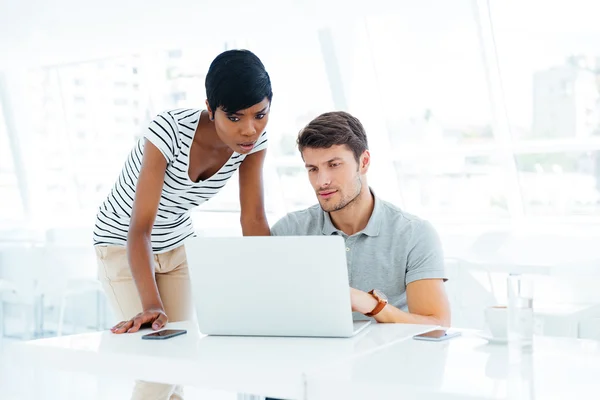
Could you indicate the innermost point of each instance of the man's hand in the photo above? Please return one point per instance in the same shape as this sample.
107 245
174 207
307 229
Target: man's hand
361 301
427 304
156 316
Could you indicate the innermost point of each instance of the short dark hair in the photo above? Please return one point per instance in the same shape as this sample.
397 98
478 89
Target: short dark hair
334 128
236 80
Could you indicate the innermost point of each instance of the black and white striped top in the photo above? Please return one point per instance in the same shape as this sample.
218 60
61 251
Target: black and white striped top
172 132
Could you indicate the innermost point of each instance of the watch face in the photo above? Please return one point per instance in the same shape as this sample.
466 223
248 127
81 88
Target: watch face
380 295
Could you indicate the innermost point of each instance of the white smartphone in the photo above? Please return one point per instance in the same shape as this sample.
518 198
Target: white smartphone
437 335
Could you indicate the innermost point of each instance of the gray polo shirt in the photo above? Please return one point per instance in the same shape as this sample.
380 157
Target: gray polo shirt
394 249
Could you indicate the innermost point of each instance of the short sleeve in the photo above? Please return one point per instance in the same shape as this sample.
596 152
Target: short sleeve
283 227
426 257
163 133
261 143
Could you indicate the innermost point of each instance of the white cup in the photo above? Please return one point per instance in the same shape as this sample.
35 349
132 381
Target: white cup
496 318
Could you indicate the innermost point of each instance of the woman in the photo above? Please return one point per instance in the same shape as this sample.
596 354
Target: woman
185 157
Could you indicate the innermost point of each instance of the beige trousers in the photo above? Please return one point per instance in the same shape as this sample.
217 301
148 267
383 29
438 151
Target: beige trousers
173 281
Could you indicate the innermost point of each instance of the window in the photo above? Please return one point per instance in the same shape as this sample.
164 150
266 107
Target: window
553 100
178 97
448 142
11 203
428 113
430 74
560 183
176 53
446 185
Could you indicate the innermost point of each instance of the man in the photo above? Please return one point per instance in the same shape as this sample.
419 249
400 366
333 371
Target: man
395 260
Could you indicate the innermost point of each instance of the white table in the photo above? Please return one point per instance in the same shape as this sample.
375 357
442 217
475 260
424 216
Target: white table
275 367
382 363
464 368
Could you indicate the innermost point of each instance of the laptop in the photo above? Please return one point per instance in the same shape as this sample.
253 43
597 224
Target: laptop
271 286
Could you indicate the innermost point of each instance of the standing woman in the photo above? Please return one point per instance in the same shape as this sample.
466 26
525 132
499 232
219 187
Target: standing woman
184 158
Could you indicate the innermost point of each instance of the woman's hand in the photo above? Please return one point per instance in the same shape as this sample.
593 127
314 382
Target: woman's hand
155 316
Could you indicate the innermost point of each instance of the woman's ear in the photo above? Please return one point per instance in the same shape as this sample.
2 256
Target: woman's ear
211 115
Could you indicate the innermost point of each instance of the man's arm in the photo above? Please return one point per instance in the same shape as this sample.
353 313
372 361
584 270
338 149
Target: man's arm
427 303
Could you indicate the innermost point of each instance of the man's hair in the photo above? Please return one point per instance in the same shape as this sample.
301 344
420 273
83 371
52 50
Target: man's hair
334 128
236 80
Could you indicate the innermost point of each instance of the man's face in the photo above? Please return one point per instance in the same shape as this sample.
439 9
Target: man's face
335 175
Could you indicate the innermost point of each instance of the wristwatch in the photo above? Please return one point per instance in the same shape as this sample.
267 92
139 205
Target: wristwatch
381 302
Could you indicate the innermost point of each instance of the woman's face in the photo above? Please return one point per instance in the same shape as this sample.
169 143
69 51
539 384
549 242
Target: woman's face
241 129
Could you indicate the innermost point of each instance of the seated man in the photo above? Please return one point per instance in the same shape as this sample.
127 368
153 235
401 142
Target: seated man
395 260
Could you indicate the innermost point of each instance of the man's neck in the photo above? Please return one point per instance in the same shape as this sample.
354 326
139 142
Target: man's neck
355 216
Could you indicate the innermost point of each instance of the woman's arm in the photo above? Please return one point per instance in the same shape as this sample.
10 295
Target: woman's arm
253 218
139 245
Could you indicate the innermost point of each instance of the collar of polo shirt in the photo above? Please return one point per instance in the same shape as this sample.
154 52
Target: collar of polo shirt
372 228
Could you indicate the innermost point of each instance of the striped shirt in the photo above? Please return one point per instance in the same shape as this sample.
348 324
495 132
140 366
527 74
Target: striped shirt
172 132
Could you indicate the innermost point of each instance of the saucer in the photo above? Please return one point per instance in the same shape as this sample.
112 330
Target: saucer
492 340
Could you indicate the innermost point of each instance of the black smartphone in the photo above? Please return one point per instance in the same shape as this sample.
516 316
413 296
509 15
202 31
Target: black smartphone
164 334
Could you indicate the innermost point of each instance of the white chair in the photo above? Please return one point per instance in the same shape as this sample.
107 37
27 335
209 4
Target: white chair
6 288
78 287
50 276
68 272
